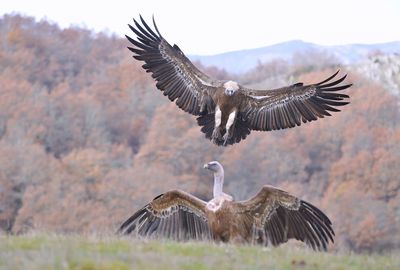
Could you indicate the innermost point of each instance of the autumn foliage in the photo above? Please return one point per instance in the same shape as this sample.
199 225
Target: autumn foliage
86 139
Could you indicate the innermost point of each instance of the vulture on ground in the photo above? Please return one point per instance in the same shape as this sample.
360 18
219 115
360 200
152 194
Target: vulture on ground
272 216
226 110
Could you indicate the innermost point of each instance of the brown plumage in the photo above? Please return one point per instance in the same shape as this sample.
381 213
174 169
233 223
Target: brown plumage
227 111
273 216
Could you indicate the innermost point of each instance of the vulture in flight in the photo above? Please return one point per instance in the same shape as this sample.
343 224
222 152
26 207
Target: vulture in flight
272 216
226 110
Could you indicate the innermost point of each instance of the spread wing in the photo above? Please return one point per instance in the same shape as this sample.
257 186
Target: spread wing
176 76
175 214
280 216
288 107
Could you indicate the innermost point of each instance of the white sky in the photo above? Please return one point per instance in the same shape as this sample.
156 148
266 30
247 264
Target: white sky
214 26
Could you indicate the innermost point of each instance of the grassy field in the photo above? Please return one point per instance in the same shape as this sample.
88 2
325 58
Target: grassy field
43 251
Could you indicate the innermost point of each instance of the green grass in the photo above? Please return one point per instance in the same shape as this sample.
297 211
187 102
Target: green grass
44 251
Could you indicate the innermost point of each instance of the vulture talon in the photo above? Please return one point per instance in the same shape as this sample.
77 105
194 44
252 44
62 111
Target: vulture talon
226 137
216 135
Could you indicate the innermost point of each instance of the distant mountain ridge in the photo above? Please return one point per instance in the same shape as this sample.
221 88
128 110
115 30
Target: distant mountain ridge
244 60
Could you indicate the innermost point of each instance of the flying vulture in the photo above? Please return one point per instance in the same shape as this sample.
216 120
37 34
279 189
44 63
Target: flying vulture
272 216
226 110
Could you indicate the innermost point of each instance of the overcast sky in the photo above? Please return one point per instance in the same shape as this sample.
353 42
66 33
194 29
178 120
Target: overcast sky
215 26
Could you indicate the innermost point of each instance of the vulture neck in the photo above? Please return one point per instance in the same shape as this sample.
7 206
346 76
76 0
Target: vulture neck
218 183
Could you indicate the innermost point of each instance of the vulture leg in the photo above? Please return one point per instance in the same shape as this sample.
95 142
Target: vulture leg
228 134
216 135
230 125
226 137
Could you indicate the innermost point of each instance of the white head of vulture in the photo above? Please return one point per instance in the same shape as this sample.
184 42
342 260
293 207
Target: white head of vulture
272 216
227 111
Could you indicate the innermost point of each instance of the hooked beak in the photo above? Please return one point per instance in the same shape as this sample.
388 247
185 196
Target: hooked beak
205 166
229 92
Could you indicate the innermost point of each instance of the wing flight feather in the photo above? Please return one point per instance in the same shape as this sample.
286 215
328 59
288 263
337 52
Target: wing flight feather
290 106
175 214
175 74
281 216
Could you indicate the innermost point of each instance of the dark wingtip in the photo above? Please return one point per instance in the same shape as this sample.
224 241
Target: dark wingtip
136 23
329 78
325 86
336 73
131 27
150 31
141 17
130 39
155 26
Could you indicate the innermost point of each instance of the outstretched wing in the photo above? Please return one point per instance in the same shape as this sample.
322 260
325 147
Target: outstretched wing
176 76
288 107
175 214
280 216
